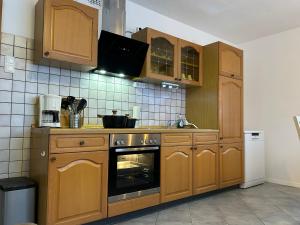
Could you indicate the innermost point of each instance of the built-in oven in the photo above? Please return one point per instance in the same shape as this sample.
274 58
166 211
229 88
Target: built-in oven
134 165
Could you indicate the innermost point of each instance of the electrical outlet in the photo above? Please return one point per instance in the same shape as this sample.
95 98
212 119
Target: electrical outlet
9 64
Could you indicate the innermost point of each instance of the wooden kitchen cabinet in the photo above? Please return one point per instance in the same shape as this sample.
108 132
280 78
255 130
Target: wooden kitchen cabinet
190 63
231 164
231 61
176 172
230 110
66 34
205 168
162 59
77 187
171 59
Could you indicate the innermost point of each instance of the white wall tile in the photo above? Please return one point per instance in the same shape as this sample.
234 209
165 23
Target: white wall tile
20 41
17 132
15 167
5 120
7 38
4 143
5 96
3 167
5 108
20 52
18 86
4 155
5 85
15 155
17 120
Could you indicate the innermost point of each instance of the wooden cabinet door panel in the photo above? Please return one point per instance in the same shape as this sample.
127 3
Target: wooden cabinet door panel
176 173
230 110
70 32
231 61
205 168
180 139
77 187
231 164
190 63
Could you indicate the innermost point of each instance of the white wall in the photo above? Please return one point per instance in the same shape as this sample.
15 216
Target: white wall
272 99
18 18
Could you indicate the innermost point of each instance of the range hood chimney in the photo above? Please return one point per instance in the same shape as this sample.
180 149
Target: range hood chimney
114 16
118 55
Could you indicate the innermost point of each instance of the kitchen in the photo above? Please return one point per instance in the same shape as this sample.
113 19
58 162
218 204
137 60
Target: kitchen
157 107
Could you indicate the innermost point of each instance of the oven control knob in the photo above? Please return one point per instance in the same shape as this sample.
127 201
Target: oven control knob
151 141
117 142
155 141
122 142
142 142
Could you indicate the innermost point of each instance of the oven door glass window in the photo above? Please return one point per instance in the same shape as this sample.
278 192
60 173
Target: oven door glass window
135 170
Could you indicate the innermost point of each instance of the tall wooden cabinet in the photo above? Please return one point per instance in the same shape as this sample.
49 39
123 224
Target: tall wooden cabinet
218 104
66 34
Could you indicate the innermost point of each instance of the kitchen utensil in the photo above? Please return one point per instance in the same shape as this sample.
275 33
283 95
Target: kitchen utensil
81 105
64 104
71 100
113 121
74 120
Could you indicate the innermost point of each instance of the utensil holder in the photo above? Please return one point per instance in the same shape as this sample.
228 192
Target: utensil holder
74 120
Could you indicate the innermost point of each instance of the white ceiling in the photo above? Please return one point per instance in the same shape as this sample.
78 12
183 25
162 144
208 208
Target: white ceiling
237 21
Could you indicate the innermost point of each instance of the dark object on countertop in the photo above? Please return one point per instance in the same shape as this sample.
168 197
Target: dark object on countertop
113 121
130 122
71 100
81 105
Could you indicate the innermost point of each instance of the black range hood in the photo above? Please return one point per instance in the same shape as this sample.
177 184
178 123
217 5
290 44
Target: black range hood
120 56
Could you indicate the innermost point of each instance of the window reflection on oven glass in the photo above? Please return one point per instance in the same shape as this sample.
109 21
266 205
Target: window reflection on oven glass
135 170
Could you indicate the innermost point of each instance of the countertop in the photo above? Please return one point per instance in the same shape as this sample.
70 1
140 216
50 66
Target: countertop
120 131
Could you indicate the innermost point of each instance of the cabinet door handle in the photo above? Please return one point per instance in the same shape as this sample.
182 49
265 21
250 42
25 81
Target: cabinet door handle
221 146
47 54
232 75
43 154
195 148
81 143
53 159
176 78
179 79
221 138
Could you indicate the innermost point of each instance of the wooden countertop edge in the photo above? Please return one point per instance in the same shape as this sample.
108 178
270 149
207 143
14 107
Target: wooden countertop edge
48 130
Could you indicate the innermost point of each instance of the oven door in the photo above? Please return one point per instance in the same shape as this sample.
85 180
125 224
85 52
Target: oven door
133 169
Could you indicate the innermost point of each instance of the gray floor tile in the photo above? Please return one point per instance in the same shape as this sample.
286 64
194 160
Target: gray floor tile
268 204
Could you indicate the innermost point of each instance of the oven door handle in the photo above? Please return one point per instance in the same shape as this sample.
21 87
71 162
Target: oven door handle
137 149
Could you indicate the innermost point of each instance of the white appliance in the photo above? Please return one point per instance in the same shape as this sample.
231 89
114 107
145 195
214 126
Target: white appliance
49 110
254 165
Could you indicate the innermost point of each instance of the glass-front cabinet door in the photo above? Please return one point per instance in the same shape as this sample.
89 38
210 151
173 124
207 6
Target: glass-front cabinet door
162 58
190 63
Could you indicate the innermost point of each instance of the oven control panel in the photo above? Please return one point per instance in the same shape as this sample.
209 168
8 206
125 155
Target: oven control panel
128 140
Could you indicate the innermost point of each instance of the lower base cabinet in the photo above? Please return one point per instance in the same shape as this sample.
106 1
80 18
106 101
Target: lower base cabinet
176 172
231 164
205 168
77 188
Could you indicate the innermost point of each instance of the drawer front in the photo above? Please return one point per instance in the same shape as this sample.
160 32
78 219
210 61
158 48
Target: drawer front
78 143
206 138
176 139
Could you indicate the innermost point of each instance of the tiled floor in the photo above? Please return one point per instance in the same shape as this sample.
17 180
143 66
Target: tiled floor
267 204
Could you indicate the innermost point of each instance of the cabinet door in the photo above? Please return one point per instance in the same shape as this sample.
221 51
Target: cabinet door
231 164
231 61
230 110
77 188
176 173
70 32
161 61
205 168
190 63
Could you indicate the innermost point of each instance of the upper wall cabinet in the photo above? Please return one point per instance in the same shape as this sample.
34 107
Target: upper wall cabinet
161 60
66 34
190 64
231 61
170 59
